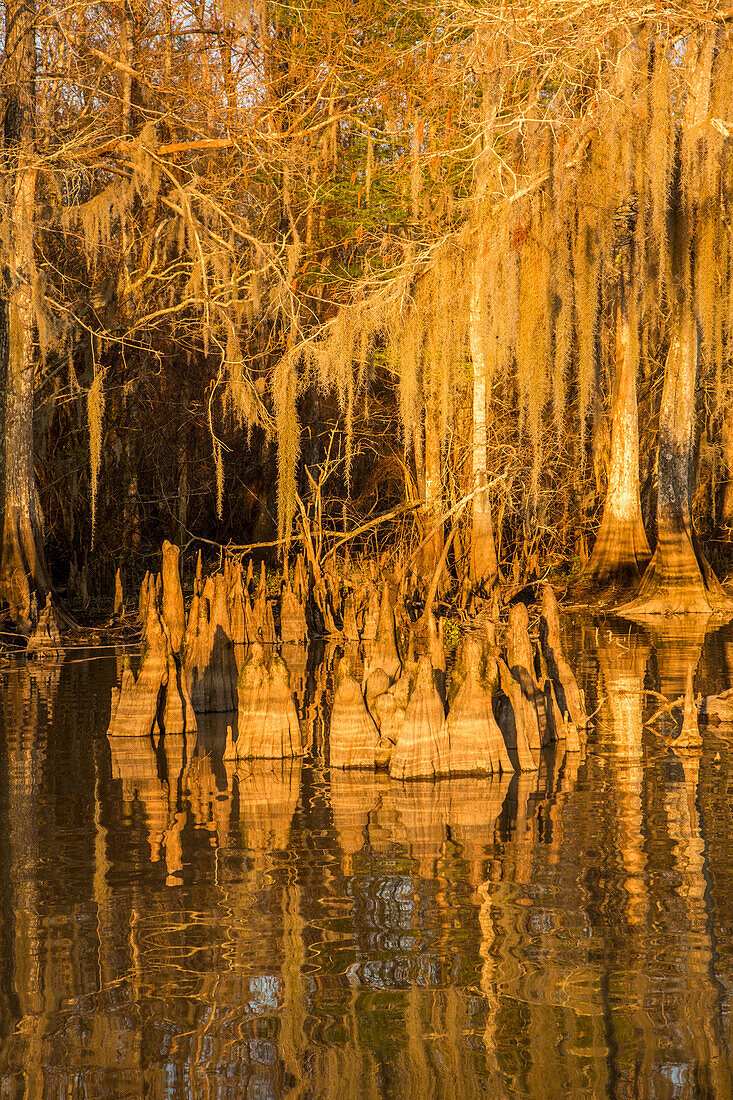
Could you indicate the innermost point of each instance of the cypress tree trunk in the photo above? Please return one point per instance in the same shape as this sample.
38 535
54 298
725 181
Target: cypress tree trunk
621 552
678 578
22 564
483 567
432 492
726 502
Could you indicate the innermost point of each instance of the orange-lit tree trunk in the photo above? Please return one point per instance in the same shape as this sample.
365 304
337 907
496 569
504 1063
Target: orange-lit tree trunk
678 579
22 564
483 567
726 501
432 492
621 552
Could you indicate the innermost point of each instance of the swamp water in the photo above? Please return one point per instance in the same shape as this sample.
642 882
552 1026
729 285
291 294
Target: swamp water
174 927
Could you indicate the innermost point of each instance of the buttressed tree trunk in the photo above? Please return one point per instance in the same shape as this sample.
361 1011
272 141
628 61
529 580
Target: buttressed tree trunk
678 578
621 552
22 564
484 567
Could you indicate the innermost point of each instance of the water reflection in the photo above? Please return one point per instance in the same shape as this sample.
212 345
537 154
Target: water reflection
700 1024
678 646
355 797
175 926
267 794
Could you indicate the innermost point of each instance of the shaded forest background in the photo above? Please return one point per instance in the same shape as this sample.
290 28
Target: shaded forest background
264 260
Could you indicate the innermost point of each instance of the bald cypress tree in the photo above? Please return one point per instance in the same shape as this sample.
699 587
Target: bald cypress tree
679 578
22 563
621 551
596 249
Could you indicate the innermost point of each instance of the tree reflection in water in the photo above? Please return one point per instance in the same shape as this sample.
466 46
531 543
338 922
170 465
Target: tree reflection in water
176 926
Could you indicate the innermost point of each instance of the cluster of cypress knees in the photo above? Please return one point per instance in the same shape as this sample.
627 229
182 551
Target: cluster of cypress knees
503 702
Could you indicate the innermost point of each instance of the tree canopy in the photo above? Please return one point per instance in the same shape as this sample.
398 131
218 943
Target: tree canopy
376 250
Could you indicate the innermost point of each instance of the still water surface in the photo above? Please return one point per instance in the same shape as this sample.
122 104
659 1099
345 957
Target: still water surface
174 927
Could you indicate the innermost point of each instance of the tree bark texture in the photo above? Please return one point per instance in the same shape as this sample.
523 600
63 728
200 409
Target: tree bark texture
678 579
621 552
432 493
726 496
483 566
22 565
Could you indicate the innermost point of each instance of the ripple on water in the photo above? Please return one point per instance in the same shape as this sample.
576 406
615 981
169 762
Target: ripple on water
177 926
